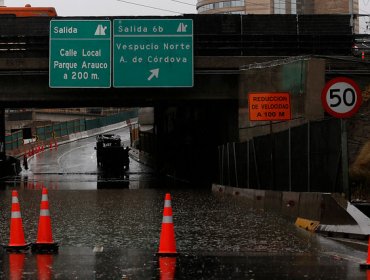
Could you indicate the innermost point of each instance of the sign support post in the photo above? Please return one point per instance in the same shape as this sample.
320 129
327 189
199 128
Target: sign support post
344 145
341 97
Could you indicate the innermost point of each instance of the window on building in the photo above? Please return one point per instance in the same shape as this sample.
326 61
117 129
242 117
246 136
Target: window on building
224 4
293 7
279 7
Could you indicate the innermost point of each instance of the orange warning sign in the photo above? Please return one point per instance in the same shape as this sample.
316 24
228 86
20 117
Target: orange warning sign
269 106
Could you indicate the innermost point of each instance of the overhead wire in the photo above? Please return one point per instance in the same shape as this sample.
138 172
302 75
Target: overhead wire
185 3
150 7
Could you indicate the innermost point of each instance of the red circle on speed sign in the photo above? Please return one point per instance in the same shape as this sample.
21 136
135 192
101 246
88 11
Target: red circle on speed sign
341 97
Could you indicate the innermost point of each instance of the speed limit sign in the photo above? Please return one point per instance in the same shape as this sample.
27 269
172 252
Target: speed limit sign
341 97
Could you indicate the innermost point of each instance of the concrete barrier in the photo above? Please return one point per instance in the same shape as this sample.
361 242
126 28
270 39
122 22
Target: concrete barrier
290 204
309 206
273 200
326 213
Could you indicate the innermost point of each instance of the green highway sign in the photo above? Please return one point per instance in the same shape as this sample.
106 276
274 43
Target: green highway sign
80 54
153 53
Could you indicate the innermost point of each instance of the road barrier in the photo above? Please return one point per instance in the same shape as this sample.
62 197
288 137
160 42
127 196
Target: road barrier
17 241
44 243
167 244
326 213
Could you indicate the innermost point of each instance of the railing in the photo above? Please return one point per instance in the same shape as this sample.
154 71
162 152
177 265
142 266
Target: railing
15 142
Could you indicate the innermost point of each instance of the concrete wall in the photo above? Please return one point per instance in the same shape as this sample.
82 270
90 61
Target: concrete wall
303 79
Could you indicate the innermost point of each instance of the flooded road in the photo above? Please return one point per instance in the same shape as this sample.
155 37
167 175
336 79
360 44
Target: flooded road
111 230
132 219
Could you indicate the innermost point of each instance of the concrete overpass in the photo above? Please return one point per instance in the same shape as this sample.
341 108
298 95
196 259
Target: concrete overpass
222 43
191 120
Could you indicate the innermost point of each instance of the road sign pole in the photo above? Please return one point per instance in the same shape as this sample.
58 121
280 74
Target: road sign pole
344 143
341 97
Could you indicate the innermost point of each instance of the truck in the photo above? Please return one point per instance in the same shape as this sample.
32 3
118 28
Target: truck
111 153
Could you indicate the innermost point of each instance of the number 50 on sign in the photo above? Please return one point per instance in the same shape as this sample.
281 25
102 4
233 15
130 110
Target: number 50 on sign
341 97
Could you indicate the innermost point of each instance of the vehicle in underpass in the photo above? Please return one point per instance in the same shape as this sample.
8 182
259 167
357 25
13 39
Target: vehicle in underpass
111 153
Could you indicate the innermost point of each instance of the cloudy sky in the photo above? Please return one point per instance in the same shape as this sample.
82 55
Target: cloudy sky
112 7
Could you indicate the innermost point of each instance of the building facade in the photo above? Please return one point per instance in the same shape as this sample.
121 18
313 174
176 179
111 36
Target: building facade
278 7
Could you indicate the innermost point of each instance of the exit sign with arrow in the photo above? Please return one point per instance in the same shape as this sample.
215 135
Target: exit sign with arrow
153 53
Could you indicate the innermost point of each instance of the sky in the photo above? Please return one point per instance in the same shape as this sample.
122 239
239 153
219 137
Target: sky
112 7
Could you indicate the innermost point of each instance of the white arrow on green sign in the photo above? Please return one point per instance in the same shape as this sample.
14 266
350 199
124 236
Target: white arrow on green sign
80 54
153 53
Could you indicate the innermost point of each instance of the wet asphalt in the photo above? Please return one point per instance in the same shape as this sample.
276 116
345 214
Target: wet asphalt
109 228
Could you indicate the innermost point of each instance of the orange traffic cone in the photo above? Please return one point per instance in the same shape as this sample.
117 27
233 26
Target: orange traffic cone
167 268
363 55
167 243
44 241
16 265
367 264
16 241
44 264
